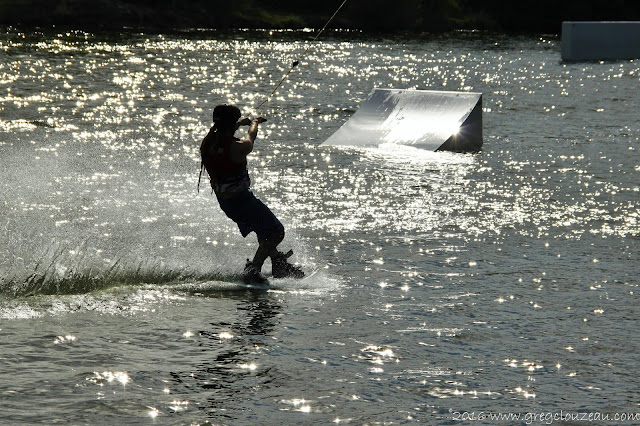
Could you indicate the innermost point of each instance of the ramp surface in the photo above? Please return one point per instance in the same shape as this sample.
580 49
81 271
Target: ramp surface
430 120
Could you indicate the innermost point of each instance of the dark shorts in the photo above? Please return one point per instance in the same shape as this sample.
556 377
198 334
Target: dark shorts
251 215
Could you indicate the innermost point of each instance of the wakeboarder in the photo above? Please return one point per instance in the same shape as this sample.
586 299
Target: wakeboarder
224 157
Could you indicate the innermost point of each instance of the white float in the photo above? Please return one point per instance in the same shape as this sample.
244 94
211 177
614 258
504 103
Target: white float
603 40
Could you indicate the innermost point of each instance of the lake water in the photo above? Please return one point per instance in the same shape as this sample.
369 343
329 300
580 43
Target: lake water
443 287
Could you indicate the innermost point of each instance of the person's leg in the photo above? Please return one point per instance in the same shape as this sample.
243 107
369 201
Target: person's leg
252 215
280 267
268 247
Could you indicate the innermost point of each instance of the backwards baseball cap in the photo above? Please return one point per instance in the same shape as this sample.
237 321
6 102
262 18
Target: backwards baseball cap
226 114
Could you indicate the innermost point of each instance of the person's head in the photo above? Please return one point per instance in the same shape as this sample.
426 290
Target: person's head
226 116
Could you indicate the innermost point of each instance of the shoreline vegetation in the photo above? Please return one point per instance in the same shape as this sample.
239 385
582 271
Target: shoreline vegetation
376 16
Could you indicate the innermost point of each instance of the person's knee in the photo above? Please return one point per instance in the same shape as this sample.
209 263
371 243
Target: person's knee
274 237
278 234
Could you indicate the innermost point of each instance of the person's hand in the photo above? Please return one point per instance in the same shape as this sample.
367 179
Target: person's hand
244 121
260 119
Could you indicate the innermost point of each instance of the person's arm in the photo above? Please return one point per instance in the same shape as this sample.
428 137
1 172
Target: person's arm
243 147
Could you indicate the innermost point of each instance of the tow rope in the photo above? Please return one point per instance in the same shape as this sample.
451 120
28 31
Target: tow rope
304 54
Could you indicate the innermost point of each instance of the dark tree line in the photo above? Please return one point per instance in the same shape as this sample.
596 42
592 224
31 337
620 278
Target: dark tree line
368 15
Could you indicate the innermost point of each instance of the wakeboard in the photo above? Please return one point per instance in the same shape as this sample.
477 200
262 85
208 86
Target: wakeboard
236 284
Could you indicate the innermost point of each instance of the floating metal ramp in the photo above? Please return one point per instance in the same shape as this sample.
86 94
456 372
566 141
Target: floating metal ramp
431 120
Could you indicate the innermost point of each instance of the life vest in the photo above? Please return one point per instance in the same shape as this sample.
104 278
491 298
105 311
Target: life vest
225 175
